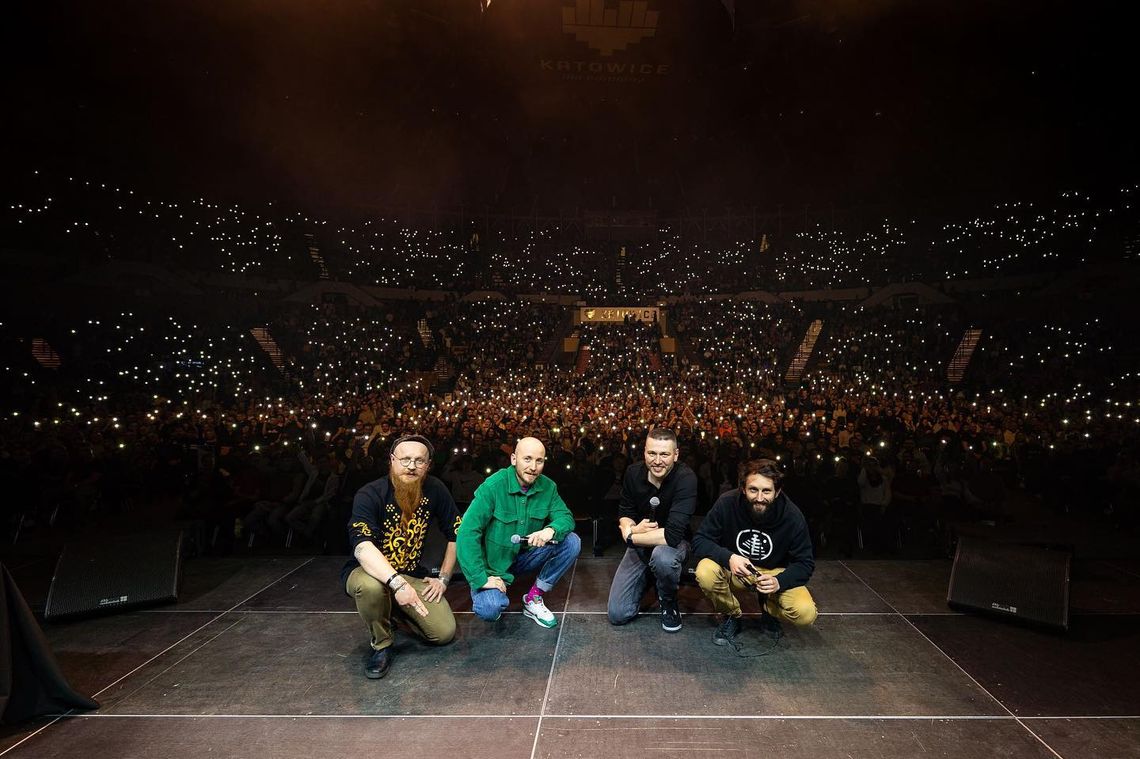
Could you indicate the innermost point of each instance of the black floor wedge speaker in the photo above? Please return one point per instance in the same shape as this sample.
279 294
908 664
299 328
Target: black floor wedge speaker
115 575
1023 582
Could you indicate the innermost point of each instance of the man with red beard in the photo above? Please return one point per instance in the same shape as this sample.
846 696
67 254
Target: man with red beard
390 520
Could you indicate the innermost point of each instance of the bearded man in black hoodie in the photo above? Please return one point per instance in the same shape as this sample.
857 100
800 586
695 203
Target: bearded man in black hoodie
756 539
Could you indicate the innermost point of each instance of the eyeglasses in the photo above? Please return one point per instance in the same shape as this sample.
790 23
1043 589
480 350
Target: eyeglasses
410 463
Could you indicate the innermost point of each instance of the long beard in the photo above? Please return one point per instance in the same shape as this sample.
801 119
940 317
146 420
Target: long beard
408 495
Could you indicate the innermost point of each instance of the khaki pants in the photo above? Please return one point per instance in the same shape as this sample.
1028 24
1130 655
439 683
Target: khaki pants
795 605
374 602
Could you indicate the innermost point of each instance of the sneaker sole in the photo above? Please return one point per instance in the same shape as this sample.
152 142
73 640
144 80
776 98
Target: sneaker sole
670 629
721 641
553 623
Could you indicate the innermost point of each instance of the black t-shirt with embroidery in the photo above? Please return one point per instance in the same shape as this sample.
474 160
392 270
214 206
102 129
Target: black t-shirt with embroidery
376 518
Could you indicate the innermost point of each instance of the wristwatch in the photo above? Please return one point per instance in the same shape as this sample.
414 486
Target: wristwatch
629 538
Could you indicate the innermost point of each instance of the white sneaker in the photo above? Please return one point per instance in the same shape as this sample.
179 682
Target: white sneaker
537 611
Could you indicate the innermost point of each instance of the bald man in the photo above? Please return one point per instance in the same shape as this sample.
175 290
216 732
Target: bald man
517 523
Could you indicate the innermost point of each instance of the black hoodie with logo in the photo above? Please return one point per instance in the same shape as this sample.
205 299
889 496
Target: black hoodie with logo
778 539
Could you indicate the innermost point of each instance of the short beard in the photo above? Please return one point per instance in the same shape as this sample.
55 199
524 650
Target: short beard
408 494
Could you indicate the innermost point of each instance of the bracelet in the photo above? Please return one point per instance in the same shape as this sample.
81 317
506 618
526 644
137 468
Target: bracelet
445 579
395 576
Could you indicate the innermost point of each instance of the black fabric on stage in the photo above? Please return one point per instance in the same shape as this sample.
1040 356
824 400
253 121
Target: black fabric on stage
31 682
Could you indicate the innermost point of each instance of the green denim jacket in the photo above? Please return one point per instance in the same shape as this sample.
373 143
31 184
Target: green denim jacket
500 510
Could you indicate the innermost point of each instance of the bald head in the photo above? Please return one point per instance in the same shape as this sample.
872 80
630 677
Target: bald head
530 444
528 460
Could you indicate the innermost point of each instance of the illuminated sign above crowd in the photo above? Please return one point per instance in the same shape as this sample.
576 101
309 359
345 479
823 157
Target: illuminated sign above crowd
588 314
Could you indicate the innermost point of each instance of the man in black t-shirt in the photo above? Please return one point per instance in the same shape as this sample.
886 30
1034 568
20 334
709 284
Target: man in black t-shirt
658 497
387 530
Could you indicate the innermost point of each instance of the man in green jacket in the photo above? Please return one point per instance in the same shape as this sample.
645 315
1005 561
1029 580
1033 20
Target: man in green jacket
516 523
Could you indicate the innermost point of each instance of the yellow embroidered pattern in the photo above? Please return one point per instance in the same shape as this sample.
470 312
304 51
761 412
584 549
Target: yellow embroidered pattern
403 544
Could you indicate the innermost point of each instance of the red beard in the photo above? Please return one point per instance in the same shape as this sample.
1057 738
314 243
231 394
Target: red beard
409 493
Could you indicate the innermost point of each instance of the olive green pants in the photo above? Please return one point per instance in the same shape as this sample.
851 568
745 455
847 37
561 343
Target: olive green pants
374 602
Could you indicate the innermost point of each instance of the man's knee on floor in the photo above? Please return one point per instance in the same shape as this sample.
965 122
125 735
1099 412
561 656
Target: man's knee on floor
489 604
801 615
487 612
621 614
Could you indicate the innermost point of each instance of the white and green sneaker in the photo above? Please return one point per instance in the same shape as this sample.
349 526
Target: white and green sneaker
536 610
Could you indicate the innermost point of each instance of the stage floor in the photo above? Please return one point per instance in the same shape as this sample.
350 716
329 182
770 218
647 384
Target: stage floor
263 657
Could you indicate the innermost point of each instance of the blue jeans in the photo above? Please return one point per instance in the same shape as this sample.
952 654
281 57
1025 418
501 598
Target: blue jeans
632 577
551 560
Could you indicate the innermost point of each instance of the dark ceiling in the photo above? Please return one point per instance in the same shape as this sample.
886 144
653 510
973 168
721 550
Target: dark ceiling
357 107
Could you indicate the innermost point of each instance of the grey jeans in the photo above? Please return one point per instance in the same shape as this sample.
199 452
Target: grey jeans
632 578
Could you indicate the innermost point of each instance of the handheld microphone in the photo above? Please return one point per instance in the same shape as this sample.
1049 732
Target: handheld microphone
516 539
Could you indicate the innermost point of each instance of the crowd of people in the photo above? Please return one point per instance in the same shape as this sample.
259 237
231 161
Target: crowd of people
144 408
99 221
266 420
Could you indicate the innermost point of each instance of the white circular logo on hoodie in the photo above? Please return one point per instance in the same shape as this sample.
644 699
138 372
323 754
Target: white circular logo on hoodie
753 545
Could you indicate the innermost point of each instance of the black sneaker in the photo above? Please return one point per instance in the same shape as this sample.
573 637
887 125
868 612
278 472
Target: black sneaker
379 662
771 626
670 617
726 631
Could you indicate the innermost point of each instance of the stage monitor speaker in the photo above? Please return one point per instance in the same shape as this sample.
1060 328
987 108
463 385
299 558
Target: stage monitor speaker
1024 582
115 575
